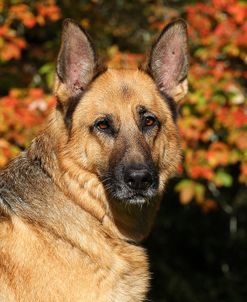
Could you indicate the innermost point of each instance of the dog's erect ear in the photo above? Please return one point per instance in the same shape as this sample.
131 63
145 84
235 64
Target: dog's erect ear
76 62
168 63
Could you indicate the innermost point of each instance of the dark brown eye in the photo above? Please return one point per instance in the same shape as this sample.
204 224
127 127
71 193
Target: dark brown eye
149 121
103 125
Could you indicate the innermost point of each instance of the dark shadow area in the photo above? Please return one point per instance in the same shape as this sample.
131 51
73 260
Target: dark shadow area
196 256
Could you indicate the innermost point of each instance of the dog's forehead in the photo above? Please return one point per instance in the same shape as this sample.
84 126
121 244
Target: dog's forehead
124 85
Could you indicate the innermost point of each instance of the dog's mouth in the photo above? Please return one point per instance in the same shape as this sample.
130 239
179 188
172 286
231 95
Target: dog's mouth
138 198
123 194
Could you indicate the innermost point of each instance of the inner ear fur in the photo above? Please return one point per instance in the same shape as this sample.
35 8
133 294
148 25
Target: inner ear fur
76 63
169 60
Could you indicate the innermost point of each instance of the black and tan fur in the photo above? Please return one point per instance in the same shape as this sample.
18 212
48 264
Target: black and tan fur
75 204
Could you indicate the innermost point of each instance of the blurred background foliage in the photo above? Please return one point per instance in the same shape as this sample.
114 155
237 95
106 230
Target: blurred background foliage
199 246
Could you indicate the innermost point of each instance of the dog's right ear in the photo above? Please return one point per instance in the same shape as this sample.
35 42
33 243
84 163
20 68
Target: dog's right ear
76 63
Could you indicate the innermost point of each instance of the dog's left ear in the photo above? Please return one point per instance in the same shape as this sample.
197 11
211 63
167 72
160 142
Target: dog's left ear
169 60
76 63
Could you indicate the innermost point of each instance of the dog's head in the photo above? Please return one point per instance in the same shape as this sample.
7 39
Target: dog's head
121 124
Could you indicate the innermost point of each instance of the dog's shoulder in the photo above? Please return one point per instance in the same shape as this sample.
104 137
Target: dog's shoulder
20 180
8 182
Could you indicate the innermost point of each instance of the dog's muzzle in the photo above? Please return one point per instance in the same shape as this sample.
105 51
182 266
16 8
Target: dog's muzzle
135 183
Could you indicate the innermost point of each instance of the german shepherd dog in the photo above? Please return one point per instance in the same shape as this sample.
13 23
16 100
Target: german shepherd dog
75 205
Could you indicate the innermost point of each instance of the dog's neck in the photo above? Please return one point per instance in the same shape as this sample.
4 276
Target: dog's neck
131 222
134 221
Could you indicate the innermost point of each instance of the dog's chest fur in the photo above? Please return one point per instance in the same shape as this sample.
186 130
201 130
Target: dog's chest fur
46 258
46 270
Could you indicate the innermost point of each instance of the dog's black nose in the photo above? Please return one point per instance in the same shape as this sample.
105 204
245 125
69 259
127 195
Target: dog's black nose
138 179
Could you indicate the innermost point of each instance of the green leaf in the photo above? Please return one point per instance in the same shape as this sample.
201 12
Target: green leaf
222 178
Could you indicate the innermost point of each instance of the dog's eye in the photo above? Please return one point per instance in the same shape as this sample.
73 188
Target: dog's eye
103 125
149 121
